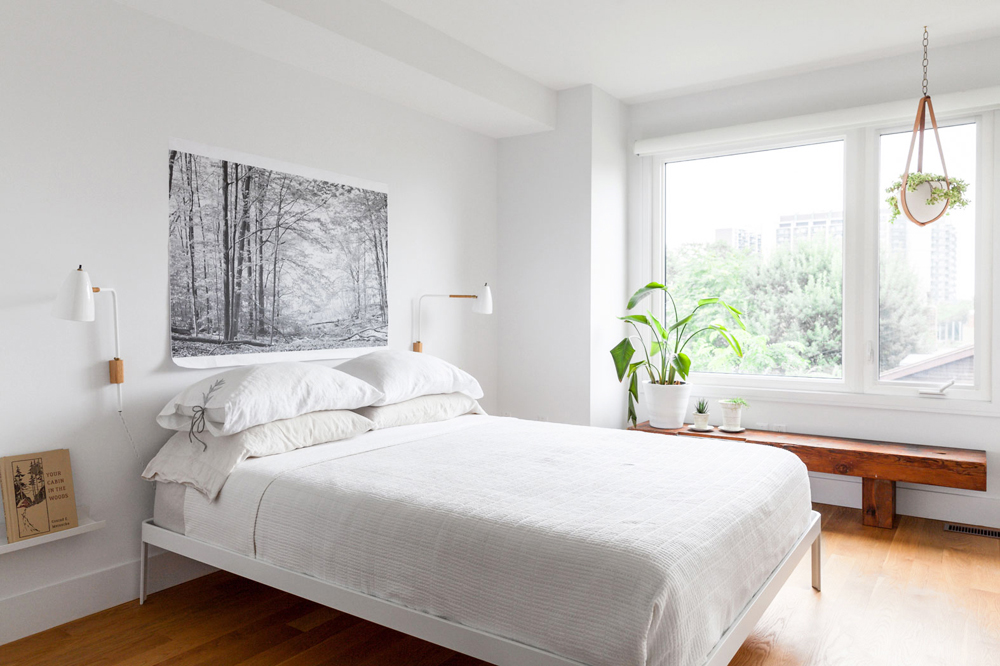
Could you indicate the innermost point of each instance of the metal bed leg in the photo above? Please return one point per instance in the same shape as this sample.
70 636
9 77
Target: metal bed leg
144 571
817 562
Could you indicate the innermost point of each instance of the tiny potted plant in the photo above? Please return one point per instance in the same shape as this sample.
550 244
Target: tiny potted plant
927 195
732 413
701 415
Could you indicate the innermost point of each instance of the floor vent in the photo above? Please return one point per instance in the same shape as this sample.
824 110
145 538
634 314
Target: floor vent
969 529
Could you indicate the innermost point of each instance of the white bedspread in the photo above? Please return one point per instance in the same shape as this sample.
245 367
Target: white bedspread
609 547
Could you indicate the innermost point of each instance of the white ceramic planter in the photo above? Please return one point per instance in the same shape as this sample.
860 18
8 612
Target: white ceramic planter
731 415
916 201
666 403
700 421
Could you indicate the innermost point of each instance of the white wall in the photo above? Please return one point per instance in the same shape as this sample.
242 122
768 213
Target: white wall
92 91
608 256
543 207
561 210
953 68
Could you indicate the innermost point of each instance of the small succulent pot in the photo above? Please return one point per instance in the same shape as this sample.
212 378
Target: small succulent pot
701 421
732 414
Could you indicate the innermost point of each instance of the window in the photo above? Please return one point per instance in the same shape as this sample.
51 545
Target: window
836 300
765 231
927 275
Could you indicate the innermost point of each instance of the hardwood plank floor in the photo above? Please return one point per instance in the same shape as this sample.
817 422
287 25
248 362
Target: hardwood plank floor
914 595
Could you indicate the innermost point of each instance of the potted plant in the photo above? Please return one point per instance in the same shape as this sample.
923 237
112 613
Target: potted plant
732 413
927 195
663 361
701 415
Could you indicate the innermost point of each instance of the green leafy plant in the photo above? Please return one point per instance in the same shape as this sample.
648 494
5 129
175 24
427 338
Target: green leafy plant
954 193
737 401
664 360
701 407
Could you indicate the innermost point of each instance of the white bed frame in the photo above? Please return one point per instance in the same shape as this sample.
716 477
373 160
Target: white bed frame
479 644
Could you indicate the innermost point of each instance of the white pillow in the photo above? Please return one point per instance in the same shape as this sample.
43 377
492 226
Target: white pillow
241 398
204 461
404 375
425 409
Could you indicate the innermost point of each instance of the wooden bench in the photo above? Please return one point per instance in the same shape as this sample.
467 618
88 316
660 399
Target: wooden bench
879 464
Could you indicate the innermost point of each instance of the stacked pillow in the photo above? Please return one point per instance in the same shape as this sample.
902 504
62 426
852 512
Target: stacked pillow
256 410
263 410
416 388
241 398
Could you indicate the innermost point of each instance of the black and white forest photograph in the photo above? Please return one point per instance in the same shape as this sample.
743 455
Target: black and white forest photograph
265 261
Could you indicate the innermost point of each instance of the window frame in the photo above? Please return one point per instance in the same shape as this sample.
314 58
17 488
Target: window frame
979 390
859 384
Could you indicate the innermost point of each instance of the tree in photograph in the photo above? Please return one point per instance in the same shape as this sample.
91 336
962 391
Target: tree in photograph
227 305
265 260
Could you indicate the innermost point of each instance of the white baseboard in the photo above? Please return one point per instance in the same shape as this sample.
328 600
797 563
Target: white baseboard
911 500
68 600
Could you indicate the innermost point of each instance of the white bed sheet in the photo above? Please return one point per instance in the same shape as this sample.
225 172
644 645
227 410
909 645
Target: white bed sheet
612 548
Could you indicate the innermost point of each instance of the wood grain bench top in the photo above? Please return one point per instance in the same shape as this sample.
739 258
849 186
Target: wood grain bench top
911 463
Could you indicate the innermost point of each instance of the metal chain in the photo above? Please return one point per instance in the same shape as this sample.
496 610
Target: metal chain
924 83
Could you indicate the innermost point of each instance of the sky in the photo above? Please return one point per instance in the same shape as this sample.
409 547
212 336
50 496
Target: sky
753 190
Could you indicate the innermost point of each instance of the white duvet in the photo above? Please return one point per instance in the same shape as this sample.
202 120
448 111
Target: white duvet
612 548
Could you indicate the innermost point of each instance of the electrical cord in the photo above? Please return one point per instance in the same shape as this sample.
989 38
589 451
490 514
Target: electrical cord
128 432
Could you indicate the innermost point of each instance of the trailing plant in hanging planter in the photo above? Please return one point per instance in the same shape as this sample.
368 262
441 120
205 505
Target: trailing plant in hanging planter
925 197
664 361
950 191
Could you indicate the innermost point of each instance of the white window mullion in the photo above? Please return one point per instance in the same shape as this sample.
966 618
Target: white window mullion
869 263
856 224
988 251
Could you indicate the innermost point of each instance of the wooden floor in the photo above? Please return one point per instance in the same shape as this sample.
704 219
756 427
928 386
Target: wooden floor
913 595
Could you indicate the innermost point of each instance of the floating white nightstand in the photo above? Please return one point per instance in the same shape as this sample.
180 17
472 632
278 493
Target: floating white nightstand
87 524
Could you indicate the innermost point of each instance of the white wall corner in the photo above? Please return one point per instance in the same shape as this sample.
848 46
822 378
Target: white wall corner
563 260
608 255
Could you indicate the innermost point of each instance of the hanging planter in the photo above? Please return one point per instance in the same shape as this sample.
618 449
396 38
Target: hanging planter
925 197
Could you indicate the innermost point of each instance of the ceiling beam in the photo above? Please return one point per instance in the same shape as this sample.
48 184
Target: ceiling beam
370 46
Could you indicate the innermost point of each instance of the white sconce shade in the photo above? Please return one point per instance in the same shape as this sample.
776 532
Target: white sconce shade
75 298
484 301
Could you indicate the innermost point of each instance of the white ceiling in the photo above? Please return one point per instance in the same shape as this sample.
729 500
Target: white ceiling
643 49
493 65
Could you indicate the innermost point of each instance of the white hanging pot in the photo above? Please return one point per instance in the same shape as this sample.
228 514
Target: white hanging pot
666 403
913 204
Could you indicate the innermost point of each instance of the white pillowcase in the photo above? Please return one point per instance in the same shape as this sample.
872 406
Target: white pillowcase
204 461
404 375
425 409
232 401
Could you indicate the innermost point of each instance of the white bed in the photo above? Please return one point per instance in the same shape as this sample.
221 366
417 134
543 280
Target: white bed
585 545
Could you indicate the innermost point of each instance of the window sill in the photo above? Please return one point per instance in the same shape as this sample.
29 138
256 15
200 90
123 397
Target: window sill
842 398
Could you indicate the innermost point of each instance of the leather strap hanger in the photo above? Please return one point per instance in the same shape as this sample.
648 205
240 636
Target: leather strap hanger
924 108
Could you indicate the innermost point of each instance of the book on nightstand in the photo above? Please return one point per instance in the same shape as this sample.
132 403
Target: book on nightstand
37 493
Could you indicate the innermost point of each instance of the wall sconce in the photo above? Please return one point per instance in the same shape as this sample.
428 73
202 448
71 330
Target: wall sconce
75 302
483 305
